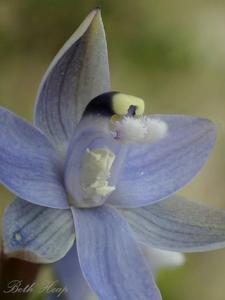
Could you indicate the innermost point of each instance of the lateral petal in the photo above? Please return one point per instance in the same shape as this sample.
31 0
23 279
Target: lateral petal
29 165
152 172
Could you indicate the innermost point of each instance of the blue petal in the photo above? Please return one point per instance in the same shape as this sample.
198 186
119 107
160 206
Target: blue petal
178 224
37 234
155 171
110 258
78 73
29 165
70 276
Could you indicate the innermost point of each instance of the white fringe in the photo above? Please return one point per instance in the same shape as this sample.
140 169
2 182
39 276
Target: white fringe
139 130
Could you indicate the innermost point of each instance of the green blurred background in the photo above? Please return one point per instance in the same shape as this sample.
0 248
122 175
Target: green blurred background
172 54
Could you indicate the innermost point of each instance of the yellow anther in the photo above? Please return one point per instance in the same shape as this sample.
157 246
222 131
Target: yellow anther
122 102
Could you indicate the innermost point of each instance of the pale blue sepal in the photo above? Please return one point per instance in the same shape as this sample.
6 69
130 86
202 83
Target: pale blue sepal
154 171
110 259
78 73
178 224
37 234
68 272
29 165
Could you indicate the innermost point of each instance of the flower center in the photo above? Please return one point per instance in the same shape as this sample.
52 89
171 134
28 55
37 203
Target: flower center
110 123
95 173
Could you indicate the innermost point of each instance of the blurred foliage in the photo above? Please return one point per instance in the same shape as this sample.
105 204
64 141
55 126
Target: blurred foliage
170 53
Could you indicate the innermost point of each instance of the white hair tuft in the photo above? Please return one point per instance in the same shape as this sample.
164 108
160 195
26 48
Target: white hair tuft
140 130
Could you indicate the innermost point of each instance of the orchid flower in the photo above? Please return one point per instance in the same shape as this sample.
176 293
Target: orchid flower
94 167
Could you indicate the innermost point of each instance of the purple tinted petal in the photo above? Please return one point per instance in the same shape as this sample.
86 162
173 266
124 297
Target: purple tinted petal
109 257
70 276
36 233
155 171
29 165
78 73
178 224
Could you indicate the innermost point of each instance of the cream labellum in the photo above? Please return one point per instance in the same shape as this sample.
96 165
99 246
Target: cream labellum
95 173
